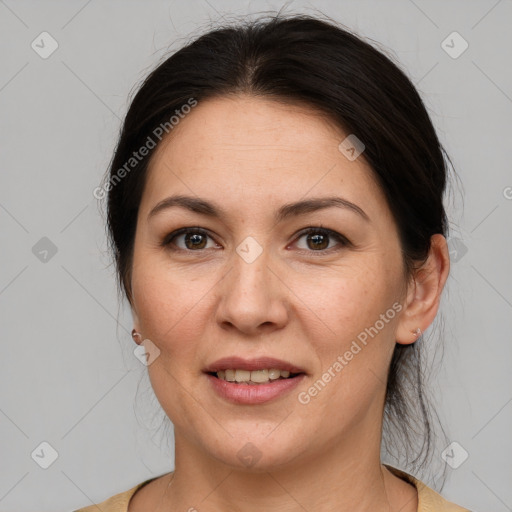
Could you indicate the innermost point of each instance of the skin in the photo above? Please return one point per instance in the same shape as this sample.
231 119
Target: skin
294 302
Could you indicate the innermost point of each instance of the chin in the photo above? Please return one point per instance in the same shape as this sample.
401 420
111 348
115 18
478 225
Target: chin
256 454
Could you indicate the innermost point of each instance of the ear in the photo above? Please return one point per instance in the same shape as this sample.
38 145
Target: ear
424 292
136 324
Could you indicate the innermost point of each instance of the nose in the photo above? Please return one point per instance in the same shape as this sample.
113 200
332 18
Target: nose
253 297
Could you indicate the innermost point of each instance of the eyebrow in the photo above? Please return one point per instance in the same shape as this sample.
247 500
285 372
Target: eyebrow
286 211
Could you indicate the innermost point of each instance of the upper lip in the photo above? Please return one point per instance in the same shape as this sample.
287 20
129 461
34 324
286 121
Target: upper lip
258 363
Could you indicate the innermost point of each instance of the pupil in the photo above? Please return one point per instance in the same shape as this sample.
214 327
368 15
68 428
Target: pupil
318 239
195 238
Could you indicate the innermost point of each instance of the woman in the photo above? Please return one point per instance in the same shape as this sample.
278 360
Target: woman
275 207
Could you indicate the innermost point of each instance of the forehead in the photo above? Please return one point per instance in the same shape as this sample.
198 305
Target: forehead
248 151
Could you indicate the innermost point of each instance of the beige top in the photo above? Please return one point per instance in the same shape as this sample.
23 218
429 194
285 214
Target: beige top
428 499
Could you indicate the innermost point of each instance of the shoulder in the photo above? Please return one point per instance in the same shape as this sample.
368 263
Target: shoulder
428 499
118 502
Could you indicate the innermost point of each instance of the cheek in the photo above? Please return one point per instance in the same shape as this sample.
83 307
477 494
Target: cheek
358 308
347 300
170 305
169 310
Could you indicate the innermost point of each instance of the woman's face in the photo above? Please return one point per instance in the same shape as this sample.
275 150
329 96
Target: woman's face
252 285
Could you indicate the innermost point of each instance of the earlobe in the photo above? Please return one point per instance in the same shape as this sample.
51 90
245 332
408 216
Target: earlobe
136 337
135 331
425 293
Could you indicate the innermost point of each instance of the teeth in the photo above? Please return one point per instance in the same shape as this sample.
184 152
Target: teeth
260 376
252 377
242 375
274 374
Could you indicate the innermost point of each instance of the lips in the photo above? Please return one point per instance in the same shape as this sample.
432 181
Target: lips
241 393
259 363
249 392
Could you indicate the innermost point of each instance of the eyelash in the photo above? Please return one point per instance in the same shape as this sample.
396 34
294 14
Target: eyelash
342 240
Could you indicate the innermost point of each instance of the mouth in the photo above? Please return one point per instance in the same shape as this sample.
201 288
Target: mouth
260 370
253 381
254 377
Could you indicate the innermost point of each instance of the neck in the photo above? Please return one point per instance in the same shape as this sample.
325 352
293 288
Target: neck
343 476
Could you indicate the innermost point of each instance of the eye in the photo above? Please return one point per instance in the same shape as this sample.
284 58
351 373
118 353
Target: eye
194 239
318 238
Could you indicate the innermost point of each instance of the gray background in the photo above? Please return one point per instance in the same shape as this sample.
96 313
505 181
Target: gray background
68 375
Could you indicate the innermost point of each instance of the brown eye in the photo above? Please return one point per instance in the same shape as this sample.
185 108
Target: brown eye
318 239
191 239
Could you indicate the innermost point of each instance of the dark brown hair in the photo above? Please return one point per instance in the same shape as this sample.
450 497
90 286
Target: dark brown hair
317 63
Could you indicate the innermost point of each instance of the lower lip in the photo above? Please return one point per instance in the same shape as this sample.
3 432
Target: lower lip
253 393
